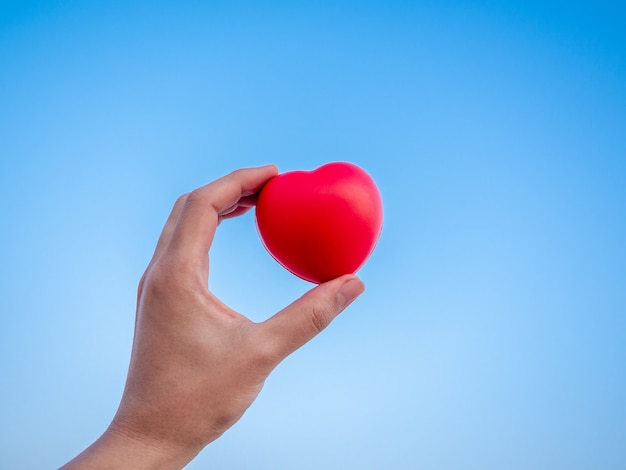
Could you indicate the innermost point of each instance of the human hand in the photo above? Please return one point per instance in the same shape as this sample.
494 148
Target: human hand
197 365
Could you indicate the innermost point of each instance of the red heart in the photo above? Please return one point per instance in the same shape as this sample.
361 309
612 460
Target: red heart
323 223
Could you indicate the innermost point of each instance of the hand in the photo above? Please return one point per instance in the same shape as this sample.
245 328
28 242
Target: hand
197 365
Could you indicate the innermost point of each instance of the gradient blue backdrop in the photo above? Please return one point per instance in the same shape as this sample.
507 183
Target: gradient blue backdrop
492 334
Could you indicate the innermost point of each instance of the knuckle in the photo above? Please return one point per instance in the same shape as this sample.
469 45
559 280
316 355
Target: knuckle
194 197
163 278
141 283
157 281
237 173
201 198
181 200
320 316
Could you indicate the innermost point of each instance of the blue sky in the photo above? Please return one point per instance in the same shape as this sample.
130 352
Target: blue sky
493 330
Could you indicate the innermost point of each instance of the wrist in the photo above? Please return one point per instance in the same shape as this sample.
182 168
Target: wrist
117 449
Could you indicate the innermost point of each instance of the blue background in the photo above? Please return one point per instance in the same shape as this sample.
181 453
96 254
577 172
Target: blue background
492 334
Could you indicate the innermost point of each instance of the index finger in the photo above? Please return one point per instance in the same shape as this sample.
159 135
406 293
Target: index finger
199 218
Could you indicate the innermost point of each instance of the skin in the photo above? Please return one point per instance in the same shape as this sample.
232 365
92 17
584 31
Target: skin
197 365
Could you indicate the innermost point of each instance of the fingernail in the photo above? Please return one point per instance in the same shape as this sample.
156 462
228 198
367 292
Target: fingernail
349 291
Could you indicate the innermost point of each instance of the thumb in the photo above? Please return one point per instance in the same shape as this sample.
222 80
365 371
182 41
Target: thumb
301 321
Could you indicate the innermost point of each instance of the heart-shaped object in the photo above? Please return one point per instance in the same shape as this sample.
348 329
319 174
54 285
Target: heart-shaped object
323 223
